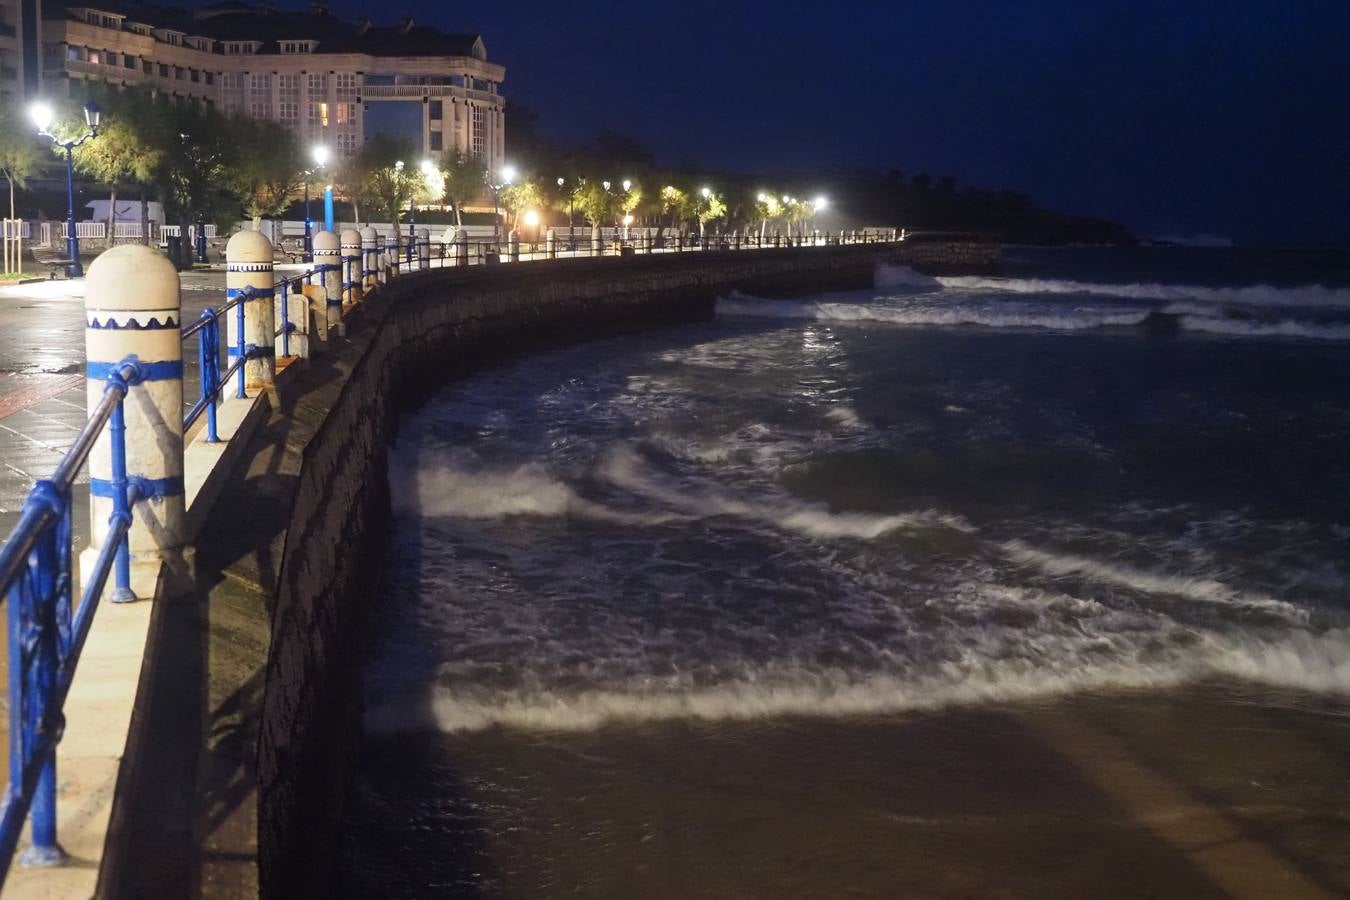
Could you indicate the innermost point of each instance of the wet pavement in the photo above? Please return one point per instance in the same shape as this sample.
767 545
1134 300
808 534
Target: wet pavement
42 390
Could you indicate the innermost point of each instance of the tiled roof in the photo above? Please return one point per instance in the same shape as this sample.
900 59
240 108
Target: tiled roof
236 21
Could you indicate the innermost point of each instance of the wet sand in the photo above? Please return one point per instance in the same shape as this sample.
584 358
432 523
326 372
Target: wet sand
1216 790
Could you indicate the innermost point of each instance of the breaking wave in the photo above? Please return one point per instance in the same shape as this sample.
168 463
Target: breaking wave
1308 295
954 314
1318 662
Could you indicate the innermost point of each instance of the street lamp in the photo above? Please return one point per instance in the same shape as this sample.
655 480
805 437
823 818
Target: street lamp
504 177
318 153
427 168
627 185
43 117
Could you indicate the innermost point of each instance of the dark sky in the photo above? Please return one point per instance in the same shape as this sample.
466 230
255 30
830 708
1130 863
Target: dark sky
1172 116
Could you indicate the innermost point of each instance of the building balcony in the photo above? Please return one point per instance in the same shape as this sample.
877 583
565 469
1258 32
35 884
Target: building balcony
96 70
395 91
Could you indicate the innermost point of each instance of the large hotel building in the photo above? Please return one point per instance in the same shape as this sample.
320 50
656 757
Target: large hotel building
331 81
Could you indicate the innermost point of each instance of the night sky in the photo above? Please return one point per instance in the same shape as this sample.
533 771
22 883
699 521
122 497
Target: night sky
1172 116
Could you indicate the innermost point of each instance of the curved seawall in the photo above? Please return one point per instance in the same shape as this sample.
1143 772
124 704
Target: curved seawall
249 708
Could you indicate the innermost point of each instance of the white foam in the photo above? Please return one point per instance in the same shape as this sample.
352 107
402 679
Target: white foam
1010 316
1246 328
845 416
442 491
623 468
902 276
1199 589
1300 660
1256 295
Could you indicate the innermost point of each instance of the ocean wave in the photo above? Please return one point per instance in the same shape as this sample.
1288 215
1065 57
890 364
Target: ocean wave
623 468
953 314
1199 589
1301 660
443 491
1249 328
1310 295
888 275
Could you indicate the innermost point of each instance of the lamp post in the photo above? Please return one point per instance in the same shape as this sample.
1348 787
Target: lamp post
42 117
571 211
503 178
702 229
319 153
427 169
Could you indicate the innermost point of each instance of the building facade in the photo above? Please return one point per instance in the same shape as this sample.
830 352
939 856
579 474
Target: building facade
20 50
315 74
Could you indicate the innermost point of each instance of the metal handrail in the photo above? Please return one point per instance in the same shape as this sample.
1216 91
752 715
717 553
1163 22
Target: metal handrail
45 640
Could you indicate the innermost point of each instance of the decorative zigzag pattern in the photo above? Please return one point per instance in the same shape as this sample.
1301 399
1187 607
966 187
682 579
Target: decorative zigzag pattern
133 324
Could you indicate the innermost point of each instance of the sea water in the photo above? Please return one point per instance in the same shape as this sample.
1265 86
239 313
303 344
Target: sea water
803 527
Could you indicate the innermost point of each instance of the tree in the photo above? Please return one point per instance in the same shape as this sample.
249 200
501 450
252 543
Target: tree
517 198
124 152
710 209
267 173
630 200
20 155
465 178
674 203
391 176
595 203
200 155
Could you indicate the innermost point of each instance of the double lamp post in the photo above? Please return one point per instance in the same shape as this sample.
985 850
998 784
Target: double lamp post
43 117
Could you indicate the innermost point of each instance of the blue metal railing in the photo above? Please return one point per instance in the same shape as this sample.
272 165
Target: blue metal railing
45 639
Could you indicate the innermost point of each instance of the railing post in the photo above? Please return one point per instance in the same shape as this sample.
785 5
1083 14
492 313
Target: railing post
551 244
248 267
133 311
328 261
461 256
351 275
369 260
423 249
513 246
597 243
381 259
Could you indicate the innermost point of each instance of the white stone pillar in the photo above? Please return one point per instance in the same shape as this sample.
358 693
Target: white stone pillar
381 259
248 265
133 311
424 249
551 245
328 259
295 315
513 246
461 248
351 273
597 243
370 261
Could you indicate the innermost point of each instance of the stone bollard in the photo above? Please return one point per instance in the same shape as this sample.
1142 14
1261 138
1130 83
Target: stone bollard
133 309
328 261
679 242
292 319
351 274
248 264
381 259
423 249
461 248
597 244
369 260
551 245
513 246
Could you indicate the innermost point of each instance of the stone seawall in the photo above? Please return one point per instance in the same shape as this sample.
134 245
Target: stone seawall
951 257
248 715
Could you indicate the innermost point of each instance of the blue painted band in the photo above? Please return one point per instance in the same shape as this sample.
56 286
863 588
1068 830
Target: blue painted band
254 293
168 370
149 487
253 352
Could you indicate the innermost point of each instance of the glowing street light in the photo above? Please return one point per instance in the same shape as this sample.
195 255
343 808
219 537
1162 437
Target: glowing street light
627 185
706 192
43 117
762 197
318 153
509 174
605 184
820 203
